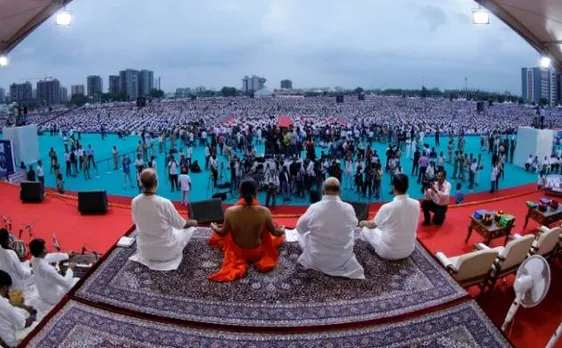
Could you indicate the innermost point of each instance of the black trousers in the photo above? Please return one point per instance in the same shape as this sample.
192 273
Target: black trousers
174 181
439 212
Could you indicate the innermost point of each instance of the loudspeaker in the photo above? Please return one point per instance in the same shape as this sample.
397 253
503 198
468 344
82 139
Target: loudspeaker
314 196
92 202
361 210
207 211
480 106
339 99
141 102
32 192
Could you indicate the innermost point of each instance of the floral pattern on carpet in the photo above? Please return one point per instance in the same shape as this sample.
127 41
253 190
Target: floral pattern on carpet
289 296
79 325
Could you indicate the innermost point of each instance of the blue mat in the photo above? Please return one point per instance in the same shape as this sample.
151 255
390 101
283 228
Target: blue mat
78 325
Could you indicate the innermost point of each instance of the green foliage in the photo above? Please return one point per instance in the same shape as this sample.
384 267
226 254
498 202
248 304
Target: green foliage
228 91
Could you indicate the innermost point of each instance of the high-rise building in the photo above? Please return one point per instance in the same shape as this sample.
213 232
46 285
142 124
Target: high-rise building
286 84
559 88
48 92
21 92
77 89
129 80
146 82
63 94
114 85
2 95
253 84
539 84
95 85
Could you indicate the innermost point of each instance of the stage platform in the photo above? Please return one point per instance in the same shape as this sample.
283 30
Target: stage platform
369 318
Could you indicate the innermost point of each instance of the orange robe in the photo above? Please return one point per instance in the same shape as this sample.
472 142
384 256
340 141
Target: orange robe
236 259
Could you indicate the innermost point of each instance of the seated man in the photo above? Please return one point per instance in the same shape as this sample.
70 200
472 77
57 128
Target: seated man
14 317
20 272
326 235
436 200
162 233
50 284
248 235
393 231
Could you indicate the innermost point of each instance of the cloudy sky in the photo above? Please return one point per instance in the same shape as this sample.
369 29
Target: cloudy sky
369 43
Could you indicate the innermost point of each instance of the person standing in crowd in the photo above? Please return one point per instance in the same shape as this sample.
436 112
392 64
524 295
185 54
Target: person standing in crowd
423 163
90 154
185 186
68 171
86 167
40 173
436 200
52 157
272 183
126 165
173 173
30 174
115 154
494 178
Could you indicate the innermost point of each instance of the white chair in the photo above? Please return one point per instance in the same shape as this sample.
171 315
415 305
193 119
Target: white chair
470 269
546 243
509 257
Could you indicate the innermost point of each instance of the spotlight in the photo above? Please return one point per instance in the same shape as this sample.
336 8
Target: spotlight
64 18
480 16
3 60
545 62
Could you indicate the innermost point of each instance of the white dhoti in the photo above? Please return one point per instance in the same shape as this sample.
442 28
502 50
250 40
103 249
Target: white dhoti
333 264
159 258
373 236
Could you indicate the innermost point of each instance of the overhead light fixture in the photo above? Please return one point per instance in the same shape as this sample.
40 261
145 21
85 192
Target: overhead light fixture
545 62
3 60
480 16
64 18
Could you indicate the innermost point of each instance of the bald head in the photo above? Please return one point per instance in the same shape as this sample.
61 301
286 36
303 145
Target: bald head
331 187
148 179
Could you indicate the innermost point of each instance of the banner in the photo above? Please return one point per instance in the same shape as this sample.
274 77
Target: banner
7 166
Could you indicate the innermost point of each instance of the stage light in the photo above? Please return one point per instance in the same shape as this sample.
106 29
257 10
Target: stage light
3 60
480 16
545 62
64 18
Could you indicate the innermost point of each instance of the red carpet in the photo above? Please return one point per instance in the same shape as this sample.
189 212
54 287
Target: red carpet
532 328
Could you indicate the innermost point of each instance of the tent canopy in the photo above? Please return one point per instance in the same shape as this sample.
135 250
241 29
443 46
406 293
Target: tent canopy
537 21
18 18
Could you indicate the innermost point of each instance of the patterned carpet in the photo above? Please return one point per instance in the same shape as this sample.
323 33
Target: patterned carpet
81 326
289 296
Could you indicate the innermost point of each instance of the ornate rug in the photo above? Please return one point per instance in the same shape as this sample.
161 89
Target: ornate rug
81 326
289 296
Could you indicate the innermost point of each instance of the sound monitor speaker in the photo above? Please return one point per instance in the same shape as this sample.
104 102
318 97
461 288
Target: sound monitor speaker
361 210
92 202
207 211
32 192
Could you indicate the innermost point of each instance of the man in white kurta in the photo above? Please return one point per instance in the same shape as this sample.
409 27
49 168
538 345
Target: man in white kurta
51 286
20 272
13 320
326 235
393 231
162 233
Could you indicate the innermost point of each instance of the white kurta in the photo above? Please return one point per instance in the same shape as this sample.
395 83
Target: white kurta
394 238
50 284
160 234
326 237
11 320
18 271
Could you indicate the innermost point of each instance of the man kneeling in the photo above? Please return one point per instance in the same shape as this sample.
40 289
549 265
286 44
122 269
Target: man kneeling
326 235
162 233
393 231
247 236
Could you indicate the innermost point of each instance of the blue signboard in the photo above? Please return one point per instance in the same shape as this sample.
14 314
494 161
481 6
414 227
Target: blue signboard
6 158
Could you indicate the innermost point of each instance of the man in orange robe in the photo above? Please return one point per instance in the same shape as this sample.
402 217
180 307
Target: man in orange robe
248 235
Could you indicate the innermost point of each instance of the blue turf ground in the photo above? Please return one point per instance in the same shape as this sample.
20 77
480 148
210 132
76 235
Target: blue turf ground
112 181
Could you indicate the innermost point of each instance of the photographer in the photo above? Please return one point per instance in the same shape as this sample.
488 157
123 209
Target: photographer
272 186
436 200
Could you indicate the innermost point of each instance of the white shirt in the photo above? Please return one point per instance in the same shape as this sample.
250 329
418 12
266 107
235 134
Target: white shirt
397 222
50 284
10 263
185 182
172 168
328 228
441 197
40 171
11 319
139 162
156 218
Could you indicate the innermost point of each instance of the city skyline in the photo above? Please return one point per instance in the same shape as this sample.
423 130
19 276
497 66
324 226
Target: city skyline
413 41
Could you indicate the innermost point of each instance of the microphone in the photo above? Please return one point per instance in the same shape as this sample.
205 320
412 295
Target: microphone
56 243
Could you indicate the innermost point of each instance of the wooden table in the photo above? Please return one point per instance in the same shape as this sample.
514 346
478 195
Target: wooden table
547 217
489 232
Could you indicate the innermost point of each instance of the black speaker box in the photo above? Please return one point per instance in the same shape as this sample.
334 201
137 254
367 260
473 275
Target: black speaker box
32 192
92 202
361 210
207 211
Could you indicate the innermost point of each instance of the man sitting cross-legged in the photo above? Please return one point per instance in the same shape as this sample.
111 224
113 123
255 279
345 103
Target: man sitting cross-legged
162 232
247 236
393 231
326 235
